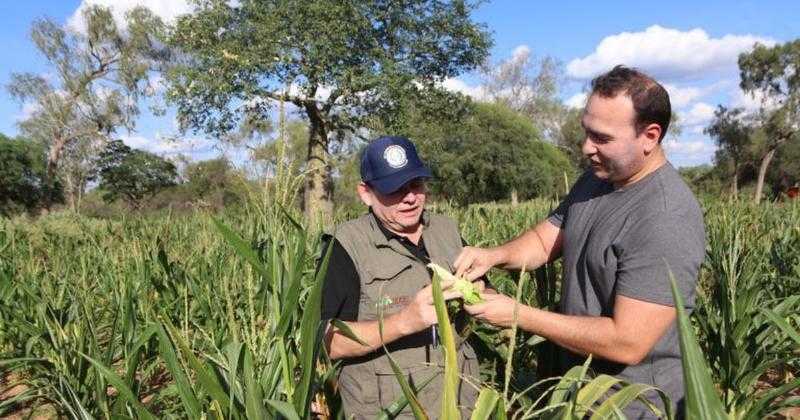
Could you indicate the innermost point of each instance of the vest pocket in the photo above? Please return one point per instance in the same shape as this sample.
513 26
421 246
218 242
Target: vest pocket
429 396
384 272
387 288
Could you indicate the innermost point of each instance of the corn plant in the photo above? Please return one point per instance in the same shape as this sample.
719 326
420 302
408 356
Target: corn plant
173 317
742 340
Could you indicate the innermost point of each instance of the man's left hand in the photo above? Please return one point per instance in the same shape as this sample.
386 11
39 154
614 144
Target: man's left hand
496 309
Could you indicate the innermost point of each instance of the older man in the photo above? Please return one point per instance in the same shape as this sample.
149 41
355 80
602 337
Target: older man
625 224
378 265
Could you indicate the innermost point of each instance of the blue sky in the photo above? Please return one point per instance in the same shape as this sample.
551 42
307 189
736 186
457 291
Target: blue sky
691 47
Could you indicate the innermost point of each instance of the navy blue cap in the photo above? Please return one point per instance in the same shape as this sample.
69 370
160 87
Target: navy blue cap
388 163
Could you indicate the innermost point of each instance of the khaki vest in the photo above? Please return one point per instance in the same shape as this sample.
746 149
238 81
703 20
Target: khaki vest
390 276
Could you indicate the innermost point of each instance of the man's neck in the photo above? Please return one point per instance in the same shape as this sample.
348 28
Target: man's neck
412 236
656 160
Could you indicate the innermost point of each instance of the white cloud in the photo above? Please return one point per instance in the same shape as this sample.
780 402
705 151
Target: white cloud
689 152
456 85
577 100
679 97
168 147
700 113
688 147
168 10
28 109
666 53
521 53
752 102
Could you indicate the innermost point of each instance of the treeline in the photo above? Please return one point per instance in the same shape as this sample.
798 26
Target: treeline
758 148
491 153
339 75
121 179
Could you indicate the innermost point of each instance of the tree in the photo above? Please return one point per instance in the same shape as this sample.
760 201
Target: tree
22 172
733 136
774 73
98 79
132 174
529 86
343 65
214 181
77 168
571 137
491 154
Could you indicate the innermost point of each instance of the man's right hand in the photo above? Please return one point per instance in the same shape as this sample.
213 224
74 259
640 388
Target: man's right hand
421 313
474 262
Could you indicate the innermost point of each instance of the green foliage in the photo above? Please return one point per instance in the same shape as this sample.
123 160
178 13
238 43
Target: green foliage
733 135
115 318
344 66
132 174
214 181
571 137
771 71
99 76
22 175
253 50
740 341
702 401
492 153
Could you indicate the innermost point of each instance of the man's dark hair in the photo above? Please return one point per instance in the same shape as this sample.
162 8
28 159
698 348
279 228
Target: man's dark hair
650 99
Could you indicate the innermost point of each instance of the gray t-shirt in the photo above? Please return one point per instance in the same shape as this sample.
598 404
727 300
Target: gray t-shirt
621 241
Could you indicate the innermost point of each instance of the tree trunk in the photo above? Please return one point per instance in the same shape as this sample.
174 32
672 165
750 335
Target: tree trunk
318 191
735 183
762 172
514 197
53 157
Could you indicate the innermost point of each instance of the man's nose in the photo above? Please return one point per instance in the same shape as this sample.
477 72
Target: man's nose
588 148
408 194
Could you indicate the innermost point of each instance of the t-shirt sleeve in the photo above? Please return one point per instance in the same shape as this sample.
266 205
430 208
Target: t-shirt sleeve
341 289
558 217
656 246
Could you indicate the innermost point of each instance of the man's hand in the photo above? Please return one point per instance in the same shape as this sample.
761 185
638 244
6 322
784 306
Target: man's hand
474 262
497 309
421 313
416 316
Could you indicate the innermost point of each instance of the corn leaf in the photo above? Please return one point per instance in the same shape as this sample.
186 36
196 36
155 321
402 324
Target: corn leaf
254 400
184 387
310 338
203 375
486 404
408 392
409 395
445 329
348 332
284 408
121 387
702 401
590 393
620 399
242 248
782 325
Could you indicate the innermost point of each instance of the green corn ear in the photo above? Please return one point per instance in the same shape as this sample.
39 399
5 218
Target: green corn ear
467 288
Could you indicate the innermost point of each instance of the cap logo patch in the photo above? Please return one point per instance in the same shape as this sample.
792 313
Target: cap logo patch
395 156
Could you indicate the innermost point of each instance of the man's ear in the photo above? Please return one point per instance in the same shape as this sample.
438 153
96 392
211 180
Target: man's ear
364 193
651 136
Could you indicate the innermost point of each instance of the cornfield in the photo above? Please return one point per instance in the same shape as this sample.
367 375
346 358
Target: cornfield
207 316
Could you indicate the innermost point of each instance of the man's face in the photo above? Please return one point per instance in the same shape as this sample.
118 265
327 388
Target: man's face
400 211
612 146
